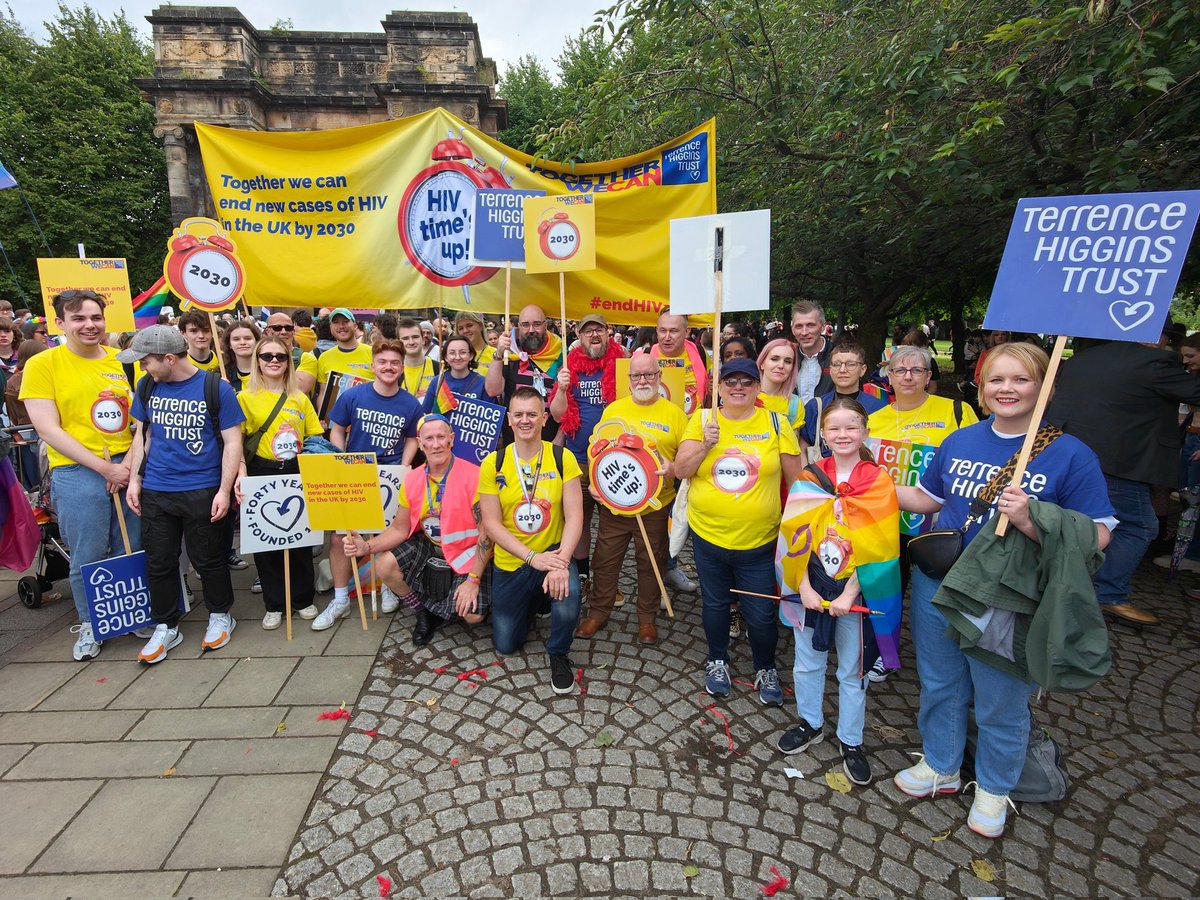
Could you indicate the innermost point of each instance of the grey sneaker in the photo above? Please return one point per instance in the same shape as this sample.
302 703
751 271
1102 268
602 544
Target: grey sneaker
86 645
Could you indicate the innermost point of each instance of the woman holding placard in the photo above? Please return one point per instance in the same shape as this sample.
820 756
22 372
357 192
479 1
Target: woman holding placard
278 419
735 458
968 480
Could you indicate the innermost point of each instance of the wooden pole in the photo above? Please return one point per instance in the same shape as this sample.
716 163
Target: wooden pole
374 591
507 295
117 504
718 291
216 348
362 608
287 589
654 565
562 313
1035 422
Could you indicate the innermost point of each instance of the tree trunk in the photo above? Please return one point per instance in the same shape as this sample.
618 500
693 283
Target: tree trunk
958 329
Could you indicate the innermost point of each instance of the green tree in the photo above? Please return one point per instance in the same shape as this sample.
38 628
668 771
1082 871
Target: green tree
532 103
77 135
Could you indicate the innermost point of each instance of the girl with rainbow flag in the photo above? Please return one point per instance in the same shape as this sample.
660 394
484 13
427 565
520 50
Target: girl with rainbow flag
838 551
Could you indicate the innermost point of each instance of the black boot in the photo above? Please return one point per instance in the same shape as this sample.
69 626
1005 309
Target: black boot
427 624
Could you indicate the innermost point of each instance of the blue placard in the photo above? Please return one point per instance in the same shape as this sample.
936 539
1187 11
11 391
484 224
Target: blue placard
477 425
499 225
1100 265
118 596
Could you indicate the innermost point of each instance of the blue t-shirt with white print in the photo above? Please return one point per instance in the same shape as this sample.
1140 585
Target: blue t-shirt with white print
377 424
184 453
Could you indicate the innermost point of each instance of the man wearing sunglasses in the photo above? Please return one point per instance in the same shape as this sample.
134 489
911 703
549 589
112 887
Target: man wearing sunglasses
280 325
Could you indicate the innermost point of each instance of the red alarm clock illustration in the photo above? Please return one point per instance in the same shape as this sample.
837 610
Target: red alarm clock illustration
625 471
558 236
202 266
435 213
532 516
110 412
735 471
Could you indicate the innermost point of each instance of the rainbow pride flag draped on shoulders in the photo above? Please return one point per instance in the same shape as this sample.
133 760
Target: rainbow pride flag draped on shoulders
872 517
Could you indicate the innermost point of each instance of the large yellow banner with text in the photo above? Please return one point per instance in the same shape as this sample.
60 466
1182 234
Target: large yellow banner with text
379 216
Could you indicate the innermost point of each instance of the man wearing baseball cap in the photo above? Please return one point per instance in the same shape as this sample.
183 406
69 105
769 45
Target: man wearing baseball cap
349 357
183 464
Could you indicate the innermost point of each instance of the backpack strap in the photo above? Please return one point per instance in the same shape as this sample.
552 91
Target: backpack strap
558 460
212 400
130 375
958 413
145 388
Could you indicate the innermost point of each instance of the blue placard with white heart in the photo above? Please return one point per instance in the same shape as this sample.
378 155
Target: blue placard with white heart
498 227
1099 265
477 426
118 596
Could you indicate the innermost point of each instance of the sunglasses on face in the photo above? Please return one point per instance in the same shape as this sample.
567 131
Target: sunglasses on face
742 381
273 357
281 328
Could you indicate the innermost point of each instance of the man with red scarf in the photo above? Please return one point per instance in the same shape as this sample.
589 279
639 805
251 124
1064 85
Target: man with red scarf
581 391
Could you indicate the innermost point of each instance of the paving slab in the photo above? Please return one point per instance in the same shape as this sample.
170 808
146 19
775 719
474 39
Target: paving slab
326 680
24 685
102 886
100 682
11 754
126 646
265 755
116 759
33 813
174 684
229 883
57 647
306 721
194 724
251 640
249 821
350 640
151 813
55 727
253 682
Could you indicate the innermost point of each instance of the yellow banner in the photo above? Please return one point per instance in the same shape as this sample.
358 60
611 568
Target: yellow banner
379 216
107 277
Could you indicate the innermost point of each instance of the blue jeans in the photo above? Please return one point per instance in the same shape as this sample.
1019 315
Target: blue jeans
513 596
1130 539
949 678
808 673
87 520
748 570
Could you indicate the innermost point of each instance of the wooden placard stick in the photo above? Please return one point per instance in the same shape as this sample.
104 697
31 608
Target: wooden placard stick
119 507
1035 422
362 608
718 291
654 565
216 345
374 591
287 589
562 313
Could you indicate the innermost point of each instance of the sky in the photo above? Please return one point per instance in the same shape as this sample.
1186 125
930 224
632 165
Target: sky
507 30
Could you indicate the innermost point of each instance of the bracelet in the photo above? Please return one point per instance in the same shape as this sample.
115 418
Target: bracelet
529 558
367 545
471 576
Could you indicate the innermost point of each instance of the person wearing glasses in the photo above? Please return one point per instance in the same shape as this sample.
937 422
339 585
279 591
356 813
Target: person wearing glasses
471 326
272 441
847 369
458 373
657 421
304 363
78 398
35 330
736 458
531 359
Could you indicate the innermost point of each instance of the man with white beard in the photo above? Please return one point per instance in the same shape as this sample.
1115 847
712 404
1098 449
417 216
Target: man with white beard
659 423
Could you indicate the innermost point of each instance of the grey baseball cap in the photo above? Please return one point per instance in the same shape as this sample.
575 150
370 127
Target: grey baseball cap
154 341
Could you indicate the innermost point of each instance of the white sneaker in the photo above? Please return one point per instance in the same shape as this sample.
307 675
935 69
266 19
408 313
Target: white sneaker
388 602
220 629
337 609
922 781
272 620
86 645
156 648
1185 564
680 582
988 813
309 612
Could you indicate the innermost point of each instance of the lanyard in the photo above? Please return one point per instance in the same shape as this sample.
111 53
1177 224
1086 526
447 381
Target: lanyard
528 489
420 378
435 499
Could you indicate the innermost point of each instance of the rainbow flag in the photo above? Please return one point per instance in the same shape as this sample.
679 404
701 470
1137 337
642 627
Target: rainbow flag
148 304
444 401
872 516
878 391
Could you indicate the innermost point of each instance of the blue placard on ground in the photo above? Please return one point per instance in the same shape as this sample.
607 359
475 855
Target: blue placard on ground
1100 265
498 226
118 595
477 425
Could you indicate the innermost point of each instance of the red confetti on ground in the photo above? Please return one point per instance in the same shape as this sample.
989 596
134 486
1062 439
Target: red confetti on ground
775 885
385 885
724 721
466 676
746 683
371 733
498 663
440 670
454 762
101 680
334 716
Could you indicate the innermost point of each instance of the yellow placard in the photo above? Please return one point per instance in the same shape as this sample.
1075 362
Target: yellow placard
341 491
672 385
560 234
382 213
107 277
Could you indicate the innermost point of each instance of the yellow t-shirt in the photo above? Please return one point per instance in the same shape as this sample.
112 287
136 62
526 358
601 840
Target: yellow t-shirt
662 422
213 364
734 499
417 378
930 423
93 397
484 359
691 401
285 437
539 525
780 405
348 362
308 364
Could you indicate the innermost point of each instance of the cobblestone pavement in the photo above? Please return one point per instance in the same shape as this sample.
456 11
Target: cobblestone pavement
497 788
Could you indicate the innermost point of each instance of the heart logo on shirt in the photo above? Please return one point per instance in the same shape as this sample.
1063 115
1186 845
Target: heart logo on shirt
1126 314
283 514
194 447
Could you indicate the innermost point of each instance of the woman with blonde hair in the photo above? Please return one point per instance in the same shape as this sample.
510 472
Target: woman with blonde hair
777 363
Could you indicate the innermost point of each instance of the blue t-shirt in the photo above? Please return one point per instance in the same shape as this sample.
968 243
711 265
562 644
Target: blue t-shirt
591 409
377 424
809 430
472 386
185 454
1066 473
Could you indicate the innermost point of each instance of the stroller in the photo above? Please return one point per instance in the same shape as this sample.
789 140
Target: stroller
53 560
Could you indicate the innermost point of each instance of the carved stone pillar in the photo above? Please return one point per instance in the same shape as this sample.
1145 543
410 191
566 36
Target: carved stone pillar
178 183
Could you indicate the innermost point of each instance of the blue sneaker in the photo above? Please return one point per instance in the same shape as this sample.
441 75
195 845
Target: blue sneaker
716 678
769 691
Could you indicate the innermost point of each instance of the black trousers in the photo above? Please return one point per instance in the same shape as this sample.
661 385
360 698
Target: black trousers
270 563
168 519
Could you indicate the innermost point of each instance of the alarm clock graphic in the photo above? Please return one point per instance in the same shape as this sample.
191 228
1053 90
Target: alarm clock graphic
435 213
735 471
558 236
110 412
202 266
625 471
532 516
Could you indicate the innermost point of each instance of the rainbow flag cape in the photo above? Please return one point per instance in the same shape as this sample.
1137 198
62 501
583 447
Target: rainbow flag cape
444 400
148 304
868 502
